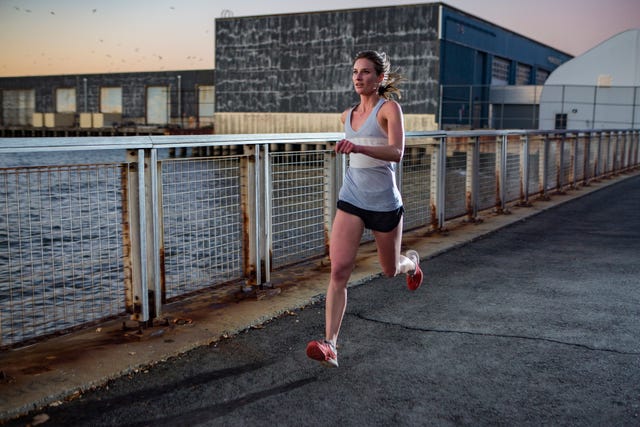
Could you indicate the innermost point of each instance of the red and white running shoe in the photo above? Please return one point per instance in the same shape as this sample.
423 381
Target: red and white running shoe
414 280
323 351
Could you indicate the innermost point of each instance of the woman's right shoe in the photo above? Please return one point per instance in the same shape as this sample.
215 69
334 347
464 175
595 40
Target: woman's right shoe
324 352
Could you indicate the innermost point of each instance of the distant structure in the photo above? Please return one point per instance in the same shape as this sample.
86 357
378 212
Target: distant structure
291 72
599 89
107 104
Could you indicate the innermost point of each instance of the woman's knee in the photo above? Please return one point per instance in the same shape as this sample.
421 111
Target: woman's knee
341 271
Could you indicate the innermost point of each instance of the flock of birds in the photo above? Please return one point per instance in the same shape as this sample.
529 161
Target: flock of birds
136 56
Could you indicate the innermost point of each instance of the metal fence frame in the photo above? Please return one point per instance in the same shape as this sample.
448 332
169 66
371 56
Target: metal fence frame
244 206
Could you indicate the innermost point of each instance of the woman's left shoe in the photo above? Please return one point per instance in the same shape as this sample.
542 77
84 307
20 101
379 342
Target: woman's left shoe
414 280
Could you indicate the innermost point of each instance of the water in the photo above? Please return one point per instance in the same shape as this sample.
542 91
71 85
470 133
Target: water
60 241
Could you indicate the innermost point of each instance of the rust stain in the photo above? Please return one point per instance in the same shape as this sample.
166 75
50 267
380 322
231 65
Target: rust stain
498 199
434 217
163 281
35 370
126 241
469 205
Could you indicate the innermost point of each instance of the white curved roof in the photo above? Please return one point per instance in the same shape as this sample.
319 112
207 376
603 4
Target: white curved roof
614 62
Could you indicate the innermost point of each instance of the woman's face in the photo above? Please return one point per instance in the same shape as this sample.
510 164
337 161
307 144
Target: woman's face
364 77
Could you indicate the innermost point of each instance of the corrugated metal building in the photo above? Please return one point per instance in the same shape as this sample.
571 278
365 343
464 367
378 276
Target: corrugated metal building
298 66
599 89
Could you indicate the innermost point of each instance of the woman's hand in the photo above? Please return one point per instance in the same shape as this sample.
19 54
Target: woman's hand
344 146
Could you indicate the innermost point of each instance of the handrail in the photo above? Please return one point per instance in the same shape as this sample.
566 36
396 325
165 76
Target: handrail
176 225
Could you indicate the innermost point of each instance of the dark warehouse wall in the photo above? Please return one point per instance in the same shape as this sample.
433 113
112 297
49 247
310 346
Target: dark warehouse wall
302 62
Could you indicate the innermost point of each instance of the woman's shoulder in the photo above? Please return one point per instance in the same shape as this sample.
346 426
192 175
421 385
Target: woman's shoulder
346 112
391 106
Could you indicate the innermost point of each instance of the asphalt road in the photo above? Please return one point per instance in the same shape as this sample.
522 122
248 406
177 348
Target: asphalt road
535 324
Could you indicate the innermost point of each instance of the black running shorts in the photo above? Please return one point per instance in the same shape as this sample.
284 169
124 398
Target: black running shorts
373 220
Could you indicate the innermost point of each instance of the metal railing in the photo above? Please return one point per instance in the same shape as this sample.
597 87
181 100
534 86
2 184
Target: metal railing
92 228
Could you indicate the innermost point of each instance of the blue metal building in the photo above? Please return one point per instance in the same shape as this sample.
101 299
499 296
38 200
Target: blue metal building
301 62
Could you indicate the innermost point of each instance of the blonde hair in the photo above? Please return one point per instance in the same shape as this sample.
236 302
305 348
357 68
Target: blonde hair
389 87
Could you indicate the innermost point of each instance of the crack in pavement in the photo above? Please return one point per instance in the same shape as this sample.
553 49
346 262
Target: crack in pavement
523 337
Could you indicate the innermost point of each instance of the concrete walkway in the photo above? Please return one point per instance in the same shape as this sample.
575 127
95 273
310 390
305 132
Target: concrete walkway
529 318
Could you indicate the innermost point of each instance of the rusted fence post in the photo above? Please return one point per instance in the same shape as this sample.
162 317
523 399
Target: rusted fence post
501 172
472 178
524 170
141 291
438 188
250 208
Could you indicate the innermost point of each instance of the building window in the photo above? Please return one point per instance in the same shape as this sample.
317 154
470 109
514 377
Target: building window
561 121
541 76
523 74
66 100
18 107
111 100
500 72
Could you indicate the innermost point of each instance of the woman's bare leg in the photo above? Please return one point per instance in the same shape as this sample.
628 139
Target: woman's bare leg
345 239
391 260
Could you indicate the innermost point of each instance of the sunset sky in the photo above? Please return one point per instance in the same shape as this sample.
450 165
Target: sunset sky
44 37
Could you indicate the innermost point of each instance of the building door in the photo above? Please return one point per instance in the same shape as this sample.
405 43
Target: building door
158 105
205 105
18 107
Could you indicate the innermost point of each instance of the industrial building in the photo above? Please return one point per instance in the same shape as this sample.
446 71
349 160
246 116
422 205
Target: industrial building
599 89
145 102
292 72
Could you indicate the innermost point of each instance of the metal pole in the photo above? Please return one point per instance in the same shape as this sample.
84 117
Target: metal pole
545 166
144 274
84 83
180 100
633 107
155 201
258 217
525 168
475 196
503 172
442 176
470 106
268 192
440 108
595 103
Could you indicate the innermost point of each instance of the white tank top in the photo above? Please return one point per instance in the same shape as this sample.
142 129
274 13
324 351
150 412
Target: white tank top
370 183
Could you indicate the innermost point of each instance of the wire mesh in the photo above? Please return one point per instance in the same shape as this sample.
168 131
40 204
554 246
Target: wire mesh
416 186
298 182
580 153
535 155
487 175
60 248
553 166
202 222
567 158
513 169
455 181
